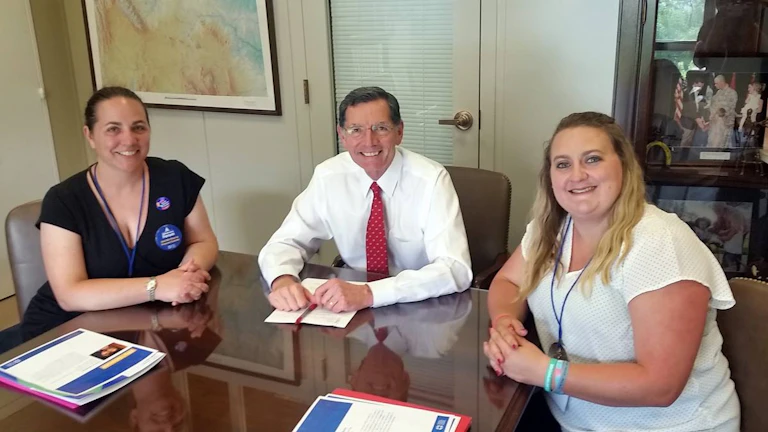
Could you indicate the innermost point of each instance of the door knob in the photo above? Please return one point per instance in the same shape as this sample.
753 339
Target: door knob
462 120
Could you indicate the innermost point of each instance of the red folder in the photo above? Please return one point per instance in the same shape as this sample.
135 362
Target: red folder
464 421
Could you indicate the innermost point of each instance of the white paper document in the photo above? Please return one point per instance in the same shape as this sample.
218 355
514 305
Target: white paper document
333 413
319 316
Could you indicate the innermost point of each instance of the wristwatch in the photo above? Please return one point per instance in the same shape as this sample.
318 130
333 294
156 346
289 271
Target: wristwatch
151 288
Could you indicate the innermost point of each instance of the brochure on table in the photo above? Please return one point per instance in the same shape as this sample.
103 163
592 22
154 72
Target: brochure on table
78 367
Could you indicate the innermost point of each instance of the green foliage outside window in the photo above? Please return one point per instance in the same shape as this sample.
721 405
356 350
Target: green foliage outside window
679 20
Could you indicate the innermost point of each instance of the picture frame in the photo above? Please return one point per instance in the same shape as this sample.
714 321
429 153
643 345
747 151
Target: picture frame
210 56
714 214
692 127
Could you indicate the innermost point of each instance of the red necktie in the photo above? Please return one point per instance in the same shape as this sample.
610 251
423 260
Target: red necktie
376 236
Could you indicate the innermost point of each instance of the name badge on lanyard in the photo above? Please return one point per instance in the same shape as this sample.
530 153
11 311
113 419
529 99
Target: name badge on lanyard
557 349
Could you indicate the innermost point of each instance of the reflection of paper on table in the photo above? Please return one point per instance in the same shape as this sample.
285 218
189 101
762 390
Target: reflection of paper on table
319 316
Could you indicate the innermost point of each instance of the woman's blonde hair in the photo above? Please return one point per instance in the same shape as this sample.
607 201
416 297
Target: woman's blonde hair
548 216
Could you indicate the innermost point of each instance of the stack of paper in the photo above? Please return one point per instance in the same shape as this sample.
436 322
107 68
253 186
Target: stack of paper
350 411
78 368
319 316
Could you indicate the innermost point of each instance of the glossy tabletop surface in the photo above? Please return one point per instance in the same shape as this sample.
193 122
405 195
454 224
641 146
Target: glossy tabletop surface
227 370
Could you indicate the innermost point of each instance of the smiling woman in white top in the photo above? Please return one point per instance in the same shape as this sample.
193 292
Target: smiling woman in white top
389 210
624 297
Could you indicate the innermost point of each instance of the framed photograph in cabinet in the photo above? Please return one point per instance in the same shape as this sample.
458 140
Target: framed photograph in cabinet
731 222
708 117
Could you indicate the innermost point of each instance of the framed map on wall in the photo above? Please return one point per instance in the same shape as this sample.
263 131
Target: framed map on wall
209 55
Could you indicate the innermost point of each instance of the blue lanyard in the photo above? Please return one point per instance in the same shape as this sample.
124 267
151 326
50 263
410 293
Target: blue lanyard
552 285
113 222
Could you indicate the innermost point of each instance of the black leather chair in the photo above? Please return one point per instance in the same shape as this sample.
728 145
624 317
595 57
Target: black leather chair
745 344
485 198
24 252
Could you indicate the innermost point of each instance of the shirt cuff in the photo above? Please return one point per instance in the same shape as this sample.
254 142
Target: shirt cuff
384 292
276 272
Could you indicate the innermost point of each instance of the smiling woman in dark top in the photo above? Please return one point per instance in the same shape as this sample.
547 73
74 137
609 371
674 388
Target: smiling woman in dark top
127 230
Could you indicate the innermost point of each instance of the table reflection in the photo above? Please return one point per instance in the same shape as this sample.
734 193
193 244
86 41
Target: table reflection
159 406
426 330
228 370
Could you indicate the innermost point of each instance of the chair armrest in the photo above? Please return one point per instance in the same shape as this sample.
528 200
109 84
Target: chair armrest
483 278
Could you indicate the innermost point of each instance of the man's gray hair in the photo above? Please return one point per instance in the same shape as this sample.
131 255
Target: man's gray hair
369 94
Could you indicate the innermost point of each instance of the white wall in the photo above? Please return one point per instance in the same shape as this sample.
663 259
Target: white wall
252 163
554 57
27 160
61 97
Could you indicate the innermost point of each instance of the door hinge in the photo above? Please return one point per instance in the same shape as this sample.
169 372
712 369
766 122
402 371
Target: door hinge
306 92
479 119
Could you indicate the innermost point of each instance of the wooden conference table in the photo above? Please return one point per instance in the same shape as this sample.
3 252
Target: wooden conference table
227 370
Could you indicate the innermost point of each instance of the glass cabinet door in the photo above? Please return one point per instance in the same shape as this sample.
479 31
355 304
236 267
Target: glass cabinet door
708 91
702 134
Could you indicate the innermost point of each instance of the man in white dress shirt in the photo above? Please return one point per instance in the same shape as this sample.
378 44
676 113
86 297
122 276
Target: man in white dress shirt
389 210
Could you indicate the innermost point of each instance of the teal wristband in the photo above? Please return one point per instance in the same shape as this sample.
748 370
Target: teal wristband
548 378
560 377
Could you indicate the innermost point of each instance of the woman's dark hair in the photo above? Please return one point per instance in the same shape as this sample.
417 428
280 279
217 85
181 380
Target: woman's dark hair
107 93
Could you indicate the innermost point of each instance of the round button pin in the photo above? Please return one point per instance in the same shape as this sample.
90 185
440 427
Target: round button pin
168 237
163 203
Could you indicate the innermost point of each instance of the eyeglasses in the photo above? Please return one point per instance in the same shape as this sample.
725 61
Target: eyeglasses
380 129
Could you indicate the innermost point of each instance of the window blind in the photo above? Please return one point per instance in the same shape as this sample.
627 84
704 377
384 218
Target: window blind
406 48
